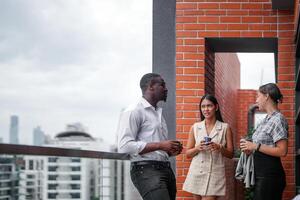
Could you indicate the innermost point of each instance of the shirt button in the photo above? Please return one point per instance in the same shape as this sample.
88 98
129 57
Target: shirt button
202 161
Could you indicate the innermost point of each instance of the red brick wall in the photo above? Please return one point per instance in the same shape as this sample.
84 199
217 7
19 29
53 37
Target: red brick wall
227 83
198 19
245 99
210 69
222 78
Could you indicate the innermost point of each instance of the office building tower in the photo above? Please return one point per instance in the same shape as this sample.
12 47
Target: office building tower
38 136
14 130
9 178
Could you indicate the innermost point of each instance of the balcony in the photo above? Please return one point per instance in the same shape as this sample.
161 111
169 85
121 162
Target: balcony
90 175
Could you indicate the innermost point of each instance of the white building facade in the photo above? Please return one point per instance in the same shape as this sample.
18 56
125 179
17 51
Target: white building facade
31 178
67 178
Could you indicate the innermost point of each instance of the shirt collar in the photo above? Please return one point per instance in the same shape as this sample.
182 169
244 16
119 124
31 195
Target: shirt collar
146 104
268 117
218 125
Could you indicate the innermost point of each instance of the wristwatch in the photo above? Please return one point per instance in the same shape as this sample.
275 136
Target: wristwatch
257 147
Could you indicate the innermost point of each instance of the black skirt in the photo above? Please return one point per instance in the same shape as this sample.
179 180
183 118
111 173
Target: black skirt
269 177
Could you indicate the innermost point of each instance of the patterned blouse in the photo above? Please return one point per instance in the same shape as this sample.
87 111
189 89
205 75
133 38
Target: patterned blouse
273 128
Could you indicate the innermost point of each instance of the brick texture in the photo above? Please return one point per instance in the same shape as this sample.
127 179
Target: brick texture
197 68
245 99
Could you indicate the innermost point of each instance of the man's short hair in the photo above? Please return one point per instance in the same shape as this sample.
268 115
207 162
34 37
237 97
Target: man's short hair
146 80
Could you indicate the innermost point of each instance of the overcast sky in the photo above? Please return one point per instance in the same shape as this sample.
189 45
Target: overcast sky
64 62
71 61
256 69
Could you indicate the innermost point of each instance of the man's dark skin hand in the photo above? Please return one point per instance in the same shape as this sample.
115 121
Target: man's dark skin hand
172 147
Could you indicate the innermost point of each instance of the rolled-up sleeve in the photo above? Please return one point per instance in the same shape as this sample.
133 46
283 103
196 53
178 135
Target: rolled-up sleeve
128 127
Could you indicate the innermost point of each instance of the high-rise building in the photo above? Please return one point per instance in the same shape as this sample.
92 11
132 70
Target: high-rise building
14 130
9 178
76 178
31 178
1 140
38 136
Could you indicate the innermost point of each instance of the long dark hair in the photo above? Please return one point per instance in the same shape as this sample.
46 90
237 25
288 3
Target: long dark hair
215 102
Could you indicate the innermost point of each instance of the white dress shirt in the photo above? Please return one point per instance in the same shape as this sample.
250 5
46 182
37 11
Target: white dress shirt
140 124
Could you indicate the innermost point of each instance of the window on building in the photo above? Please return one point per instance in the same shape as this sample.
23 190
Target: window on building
75 159
52 186
75 195
52 159
30 176
52 177
76 169
52 168
52 195
30 167
75 177
75 186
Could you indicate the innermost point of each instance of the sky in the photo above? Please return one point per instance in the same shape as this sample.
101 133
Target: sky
256 69
63 62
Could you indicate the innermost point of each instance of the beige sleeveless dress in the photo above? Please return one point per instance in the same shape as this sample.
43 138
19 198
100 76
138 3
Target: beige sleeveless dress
206 176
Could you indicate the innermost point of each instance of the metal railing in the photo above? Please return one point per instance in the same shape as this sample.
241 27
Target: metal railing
15 149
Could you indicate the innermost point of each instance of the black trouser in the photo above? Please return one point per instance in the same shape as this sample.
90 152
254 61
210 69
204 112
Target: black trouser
269 188
154 180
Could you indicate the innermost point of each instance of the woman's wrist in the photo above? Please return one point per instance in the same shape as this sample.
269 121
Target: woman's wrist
220 148
257 147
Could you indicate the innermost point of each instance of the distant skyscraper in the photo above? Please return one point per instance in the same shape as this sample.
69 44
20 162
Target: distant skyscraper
1 140
38 136
14 130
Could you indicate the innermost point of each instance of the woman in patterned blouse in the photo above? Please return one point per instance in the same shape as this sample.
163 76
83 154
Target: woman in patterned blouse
269 144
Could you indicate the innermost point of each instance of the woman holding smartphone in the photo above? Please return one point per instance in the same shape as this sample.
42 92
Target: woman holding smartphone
209 141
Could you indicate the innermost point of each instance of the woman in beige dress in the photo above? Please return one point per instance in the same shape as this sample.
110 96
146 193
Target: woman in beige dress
209 142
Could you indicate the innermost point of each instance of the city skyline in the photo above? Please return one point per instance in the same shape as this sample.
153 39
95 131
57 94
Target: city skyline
38 131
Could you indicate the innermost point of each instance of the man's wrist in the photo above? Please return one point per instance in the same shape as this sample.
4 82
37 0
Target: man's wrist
158 146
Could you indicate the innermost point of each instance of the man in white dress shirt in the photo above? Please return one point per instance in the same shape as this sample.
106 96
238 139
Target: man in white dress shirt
142 133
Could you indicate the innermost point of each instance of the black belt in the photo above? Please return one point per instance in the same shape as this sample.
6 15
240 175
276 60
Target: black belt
151 162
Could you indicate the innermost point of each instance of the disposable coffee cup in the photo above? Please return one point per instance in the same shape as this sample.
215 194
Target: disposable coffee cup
245 138
207 140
